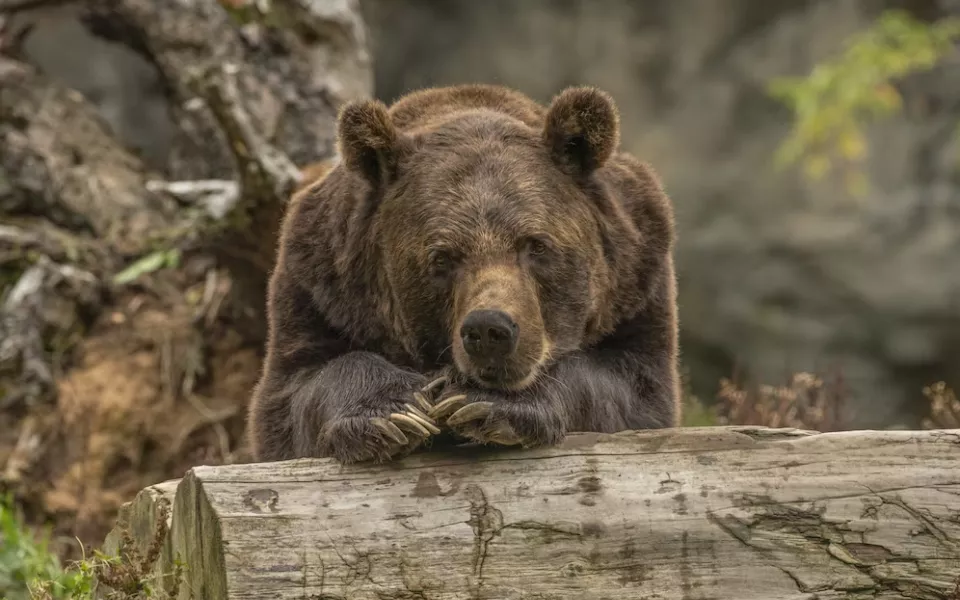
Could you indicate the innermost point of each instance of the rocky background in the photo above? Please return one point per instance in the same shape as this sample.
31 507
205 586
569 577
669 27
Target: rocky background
115 384
776 275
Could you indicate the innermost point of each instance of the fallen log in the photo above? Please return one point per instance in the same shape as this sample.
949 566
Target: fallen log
724 512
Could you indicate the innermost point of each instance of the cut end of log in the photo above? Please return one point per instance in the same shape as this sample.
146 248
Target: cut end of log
720 512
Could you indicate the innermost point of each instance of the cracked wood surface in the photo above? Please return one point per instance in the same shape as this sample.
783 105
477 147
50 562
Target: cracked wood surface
732 512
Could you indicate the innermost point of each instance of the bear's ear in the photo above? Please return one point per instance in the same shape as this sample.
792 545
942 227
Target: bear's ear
369 142
582 129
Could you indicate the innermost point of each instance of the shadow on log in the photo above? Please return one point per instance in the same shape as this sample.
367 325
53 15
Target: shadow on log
729 512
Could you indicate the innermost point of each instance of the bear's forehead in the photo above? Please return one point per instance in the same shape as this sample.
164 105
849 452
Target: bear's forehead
493 208
486 175
490 189
482 177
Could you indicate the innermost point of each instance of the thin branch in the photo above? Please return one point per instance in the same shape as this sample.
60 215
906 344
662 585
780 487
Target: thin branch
11 36
14 6
265 172
217 196
23 239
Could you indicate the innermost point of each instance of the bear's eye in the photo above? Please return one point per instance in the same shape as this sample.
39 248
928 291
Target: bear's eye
441 262
536 247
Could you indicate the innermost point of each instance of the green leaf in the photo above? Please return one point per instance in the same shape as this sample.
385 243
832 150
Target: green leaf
148 264
839 98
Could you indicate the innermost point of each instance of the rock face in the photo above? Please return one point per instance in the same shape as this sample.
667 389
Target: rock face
776 274
114 375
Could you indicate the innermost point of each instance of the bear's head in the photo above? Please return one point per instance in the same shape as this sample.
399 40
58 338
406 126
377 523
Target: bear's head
490 233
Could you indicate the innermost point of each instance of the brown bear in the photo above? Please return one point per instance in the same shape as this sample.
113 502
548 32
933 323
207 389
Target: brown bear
476 263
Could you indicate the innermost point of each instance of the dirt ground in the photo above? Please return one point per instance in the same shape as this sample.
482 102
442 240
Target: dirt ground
158 383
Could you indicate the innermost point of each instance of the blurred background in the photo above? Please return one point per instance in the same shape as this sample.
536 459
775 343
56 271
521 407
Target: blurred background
810 148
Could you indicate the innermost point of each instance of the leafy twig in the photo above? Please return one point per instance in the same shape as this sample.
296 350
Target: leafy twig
837 98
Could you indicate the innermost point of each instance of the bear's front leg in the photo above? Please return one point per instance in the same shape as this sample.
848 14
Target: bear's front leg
529 418
361 407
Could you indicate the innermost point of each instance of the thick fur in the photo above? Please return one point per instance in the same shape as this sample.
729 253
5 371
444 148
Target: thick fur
457 199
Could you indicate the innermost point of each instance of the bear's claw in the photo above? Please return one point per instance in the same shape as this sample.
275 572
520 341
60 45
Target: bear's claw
447 406
409 423
422 401
484 429
504 435
423 419
422 397
470 412
410 426
434 384
416 421
390 430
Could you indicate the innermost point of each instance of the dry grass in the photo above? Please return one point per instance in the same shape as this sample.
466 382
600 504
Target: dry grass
130 575
809 401
944 411
805 402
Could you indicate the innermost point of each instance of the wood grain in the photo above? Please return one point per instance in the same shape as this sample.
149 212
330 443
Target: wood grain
727 513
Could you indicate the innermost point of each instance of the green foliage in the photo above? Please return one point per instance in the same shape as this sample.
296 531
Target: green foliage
697 414
29 571
148 264
832 105
27 565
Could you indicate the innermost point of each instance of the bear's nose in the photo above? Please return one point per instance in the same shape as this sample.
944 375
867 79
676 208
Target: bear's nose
489 334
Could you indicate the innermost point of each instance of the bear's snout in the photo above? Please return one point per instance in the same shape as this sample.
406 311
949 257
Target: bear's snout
498 335
489 335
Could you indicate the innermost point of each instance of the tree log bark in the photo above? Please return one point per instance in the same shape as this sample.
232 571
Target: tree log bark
730 512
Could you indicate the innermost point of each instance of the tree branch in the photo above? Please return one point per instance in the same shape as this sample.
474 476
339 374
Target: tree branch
265 173
14 6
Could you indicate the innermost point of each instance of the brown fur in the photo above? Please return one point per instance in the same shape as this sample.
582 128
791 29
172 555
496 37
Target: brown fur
459 199
313 174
